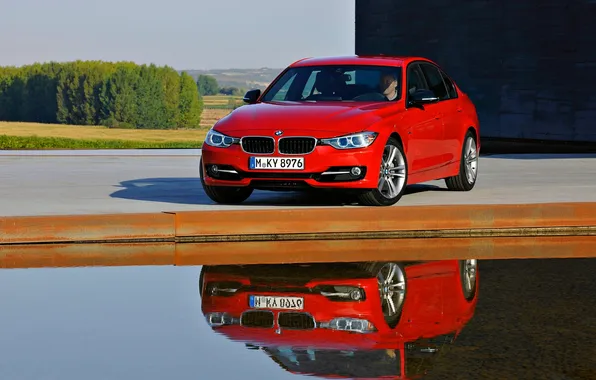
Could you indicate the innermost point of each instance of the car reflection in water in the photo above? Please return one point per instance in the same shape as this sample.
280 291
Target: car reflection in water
354 320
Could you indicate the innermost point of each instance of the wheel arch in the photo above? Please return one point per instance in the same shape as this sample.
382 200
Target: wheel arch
403 143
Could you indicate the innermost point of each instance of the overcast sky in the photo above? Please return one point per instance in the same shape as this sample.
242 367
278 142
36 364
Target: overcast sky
184 34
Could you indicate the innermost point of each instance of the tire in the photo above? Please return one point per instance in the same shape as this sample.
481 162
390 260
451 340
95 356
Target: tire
465 180
377 197
468 273
224 194
397 285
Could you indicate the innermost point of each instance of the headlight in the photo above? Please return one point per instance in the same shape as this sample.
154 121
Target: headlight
358 140
218 140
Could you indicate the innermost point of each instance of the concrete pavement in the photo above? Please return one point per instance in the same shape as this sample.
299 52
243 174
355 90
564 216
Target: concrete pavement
125 181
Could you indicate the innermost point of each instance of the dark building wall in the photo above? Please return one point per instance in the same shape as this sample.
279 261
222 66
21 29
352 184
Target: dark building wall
529 65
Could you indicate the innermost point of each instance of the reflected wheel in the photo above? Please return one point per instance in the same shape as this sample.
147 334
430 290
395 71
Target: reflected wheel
468 270
391 280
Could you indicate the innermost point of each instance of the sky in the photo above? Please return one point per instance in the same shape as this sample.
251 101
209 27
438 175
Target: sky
184 34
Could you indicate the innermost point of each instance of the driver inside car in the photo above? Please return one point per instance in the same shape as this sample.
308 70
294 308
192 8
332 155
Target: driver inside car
388 86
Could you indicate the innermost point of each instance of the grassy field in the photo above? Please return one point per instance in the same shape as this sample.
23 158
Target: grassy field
16 135
221 101
211 115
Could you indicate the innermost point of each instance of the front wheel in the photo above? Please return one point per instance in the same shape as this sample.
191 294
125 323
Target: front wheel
224 194
392 287
468 167
393 176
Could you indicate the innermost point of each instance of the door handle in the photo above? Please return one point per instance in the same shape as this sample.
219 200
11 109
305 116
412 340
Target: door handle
459 109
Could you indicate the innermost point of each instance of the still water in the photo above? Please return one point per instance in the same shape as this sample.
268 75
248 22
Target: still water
524 319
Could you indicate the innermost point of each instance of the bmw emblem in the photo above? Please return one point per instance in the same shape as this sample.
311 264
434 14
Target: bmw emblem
279 133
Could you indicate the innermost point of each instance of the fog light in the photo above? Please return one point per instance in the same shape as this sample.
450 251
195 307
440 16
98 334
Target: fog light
355 295
214 169
355 171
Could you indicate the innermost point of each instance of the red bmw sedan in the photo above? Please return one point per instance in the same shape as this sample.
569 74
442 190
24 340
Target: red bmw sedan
364 125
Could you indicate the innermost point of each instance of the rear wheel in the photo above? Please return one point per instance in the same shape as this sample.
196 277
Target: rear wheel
468 271
393 176
224 194
468 167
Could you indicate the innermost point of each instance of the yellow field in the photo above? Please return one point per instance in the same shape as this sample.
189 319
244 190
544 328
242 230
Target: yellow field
221 101
208 118
102 133
211 115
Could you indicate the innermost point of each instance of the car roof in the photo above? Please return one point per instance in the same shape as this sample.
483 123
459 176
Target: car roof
375 60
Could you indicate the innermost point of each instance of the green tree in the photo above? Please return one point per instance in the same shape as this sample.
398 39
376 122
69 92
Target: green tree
122 95
118 98
191 104
207 85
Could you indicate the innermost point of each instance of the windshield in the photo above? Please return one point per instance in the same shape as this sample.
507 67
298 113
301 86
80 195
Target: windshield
339 83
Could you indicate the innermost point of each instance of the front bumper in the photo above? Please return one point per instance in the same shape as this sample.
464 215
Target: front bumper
325 167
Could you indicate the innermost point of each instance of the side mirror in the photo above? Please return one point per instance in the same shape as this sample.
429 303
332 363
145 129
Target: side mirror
423 96
251 96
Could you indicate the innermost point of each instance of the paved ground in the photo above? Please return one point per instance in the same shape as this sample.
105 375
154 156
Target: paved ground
129 182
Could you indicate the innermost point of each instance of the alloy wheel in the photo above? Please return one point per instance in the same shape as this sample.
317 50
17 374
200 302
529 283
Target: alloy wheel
392 289
470 268
392 176
471 160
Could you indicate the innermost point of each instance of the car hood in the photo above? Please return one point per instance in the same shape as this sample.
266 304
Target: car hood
321 119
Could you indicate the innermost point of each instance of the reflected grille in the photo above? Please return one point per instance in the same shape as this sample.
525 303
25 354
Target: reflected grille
257 319
296 321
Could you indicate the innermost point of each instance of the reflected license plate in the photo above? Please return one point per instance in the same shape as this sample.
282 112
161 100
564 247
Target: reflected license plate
279 303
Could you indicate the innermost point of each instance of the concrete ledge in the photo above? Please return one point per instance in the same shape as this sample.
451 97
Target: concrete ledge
378 219
86 255
306 224
292 252
87 228
288 252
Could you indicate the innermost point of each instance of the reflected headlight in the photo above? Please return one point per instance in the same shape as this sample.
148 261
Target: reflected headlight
350 324
219 140
357 140
217 319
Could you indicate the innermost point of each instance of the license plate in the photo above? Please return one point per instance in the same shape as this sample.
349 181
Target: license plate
276 163
270 302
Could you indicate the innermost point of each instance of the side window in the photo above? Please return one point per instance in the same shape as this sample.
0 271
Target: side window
435 81
450 86
415 79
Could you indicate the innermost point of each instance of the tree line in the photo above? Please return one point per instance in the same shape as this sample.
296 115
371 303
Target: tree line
113 94
208 85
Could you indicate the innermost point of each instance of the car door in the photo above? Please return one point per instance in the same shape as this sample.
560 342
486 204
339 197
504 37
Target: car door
453 120
445 149
425 125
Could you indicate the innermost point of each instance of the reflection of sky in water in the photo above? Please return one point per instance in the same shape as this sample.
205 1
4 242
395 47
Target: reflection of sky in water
115 323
